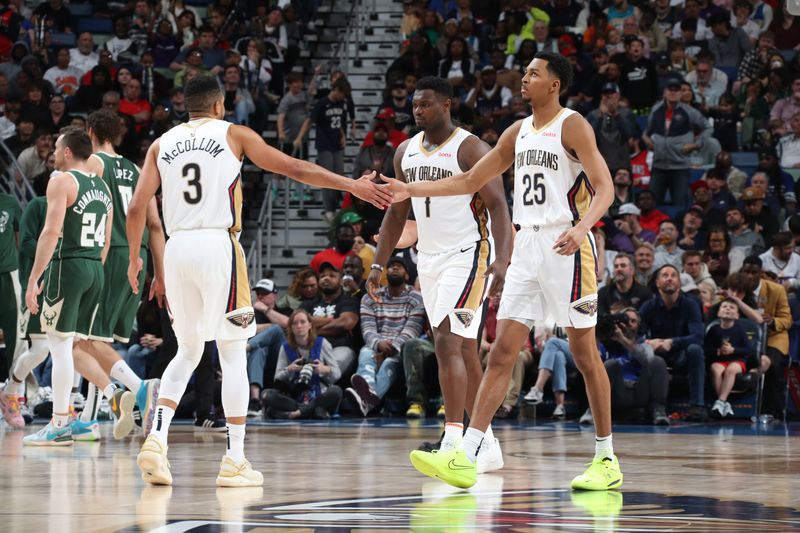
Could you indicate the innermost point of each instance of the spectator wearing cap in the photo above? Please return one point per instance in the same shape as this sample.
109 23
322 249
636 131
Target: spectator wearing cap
789 145
638 81
670 133
614 126
264 347
386 116
757 215
692 236
335 315
706 90
782 261
343 246
329 117
673 325
729 44
489 99
650 216
785 108
720 198
401 105
387 323
780 184
623 189
623 288
667 251
377 156
630 234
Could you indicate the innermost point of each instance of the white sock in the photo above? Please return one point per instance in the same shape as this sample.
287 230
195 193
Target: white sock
603 448
472 442
489 435
89 412
162 421
60 421
76 382
63 372
236 442
123 373
109 391
453 434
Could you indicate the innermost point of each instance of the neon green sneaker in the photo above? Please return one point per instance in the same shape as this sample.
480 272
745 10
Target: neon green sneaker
602 474
453 513
454 468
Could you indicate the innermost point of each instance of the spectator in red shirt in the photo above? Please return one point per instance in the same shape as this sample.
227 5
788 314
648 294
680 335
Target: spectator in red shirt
134 105
386 116
650 218
345 239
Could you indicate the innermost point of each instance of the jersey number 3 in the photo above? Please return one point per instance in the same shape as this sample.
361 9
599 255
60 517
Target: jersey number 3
535 186
192 173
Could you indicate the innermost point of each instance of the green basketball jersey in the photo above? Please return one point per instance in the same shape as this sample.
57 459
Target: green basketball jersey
84 232
10 214
30 227
121 175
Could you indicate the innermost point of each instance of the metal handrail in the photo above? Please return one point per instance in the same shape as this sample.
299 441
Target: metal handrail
21 188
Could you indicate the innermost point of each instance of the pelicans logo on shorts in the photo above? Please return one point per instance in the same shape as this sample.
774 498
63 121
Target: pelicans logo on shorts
589 307
242 320
464 316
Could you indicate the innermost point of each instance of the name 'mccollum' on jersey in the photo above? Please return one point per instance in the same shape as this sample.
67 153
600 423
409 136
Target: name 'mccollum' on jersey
550 185
200 177
443 222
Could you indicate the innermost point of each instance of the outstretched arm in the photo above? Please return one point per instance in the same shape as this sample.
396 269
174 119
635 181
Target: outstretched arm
493 164
247 142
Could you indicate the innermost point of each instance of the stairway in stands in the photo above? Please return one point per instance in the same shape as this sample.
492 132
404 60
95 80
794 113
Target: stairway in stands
308 232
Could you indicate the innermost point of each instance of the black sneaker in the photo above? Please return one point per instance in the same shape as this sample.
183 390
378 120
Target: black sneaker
430 446
254 408
208 424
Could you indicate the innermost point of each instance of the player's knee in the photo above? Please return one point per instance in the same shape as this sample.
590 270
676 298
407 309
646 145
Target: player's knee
503 355
229 349
191 351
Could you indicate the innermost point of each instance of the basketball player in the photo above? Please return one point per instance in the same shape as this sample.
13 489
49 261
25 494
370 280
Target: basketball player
197 166
455 252
118 304
79 217
562 188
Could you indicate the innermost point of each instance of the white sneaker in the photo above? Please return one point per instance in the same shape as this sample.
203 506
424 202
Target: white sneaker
238 475
718 408
586 418
728 409
534 396
559 413
77 400
490 457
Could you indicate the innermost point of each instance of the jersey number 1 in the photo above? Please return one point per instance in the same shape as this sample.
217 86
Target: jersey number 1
537 184
194 170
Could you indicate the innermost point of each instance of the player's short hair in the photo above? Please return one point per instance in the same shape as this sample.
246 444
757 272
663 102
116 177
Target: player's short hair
438 85
201 92
104 125
559 66
77 140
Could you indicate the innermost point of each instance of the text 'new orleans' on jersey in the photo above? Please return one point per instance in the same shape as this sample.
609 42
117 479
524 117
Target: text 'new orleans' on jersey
550 185
443 222
200 177
84 232
121 175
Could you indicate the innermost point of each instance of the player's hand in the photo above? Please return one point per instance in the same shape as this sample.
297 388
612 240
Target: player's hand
498 272
373 284
570 241
31 297
407 239
398 188
378 195
157 291
134 267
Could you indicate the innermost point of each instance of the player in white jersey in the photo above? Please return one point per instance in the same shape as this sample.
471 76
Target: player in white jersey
456 253
562 188
197 165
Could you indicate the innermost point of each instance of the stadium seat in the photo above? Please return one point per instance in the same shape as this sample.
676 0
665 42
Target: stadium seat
95 26
788 55
62 39
744 159
695 174
641 122
81 10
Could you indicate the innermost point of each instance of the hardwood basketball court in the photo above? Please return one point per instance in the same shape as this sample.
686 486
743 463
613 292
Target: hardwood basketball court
355 475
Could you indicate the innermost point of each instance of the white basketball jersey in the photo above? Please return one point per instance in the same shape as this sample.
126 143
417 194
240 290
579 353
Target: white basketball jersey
550 186
200 177
443 222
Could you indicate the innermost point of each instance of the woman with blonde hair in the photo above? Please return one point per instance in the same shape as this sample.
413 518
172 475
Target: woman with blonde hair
305 374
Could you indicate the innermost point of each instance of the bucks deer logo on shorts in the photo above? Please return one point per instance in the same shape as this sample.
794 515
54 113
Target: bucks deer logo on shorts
4 217
50 314
588 307
465 317
242 319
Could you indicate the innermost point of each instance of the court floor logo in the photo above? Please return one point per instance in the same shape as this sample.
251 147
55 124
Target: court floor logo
520 510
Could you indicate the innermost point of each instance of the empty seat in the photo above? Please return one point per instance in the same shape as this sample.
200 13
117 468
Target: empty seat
95 26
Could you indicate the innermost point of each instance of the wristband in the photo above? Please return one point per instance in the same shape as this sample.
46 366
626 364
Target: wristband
376 266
